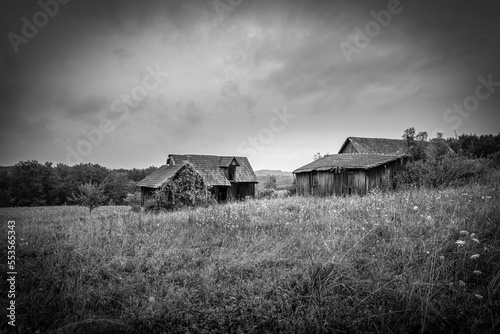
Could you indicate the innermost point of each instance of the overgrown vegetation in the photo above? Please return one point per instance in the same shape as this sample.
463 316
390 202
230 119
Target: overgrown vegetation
410 261
433 164
186 189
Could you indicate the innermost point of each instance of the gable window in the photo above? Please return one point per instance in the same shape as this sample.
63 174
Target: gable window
232 173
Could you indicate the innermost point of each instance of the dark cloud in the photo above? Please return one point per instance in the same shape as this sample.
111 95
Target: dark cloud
263 53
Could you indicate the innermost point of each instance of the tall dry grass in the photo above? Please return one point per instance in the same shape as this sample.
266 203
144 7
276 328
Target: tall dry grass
407 262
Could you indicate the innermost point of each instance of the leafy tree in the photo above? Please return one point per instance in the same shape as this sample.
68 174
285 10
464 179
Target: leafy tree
319 155
116 187
417 143
32 184
65 183
4 188
89 173
89 195
271 183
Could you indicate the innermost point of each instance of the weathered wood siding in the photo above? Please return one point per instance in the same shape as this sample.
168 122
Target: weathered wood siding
345 182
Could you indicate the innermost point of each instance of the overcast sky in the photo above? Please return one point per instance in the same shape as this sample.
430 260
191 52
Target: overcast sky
125 83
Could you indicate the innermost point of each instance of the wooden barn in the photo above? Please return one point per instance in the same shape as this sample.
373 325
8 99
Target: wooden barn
361 165
227 177
346 174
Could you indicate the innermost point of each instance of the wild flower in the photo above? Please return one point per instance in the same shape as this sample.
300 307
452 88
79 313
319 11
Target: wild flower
477 272
415 208
478 296
461 283
441 257
460 242
464 232
475 256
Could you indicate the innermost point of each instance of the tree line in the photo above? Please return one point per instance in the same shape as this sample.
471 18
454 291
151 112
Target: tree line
433 164
31 183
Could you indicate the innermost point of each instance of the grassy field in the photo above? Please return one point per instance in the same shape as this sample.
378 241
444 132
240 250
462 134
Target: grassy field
407 262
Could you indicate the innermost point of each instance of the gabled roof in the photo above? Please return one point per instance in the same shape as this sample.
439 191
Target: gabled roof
347 161
159 176
227 161
377 145
210 167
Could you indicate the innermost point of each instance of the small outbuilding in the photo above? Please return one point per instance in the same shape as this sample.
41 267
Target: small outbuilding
227 177
346 174
362 164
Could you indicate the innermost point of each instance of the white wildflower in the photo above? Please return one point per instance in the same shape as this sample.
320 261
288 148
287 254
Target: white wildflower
461 283
415 208
478 296
464 232
460 242
475 256
477 272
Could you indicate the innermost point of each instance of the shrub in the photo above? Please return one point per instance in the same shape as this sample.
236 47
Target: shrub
451 169
268 193
133 199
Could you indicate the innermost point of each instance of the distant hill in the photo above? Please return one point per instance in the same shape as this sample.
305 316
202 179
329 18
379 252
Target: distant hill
283 179
276 172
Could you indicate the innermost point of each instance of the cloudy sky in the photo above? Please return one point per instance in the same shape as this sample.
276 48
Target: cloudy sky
125 83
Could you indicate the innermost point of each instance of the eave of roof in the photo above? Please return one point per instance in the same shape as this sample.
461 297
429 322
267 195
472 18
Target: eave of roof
348 161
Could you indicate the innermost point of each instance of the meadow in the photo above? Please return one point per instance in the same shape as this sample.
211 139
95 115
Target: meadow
412 261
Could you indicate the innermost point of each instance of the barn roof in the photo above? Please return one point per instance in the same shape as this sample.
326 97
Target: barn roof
210 167
347 161
159 176
377 145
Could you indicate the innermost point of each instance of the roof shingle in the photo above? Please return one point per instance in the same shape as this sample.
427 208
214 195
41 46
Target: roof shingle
347 161
208 166
377 145
159 176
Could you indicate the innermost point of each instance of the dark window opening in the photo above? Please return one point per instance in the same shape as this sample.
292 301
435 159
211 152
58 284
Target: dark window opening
232 173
